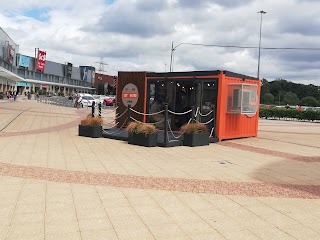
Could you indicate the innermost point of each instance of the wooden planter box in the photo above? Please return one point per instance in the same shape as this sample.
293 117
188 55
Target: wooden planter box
198 139
90 131
141 139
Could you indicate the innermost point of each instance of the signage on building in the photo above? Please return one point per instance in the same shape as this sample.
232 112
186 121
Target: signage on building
44 86
85 74
24 61
41 60
69 70
23 84
130 95
11 53
93 76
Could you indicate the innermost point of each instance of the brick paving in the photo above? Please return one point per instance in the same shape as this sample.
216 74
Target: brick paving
271 152
168 184
57 185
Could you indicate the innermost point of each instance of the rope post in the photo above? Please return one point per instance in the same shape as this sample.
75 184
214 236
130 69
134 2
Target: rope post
99 109
214 122
129 113
192 114
92 108
165 133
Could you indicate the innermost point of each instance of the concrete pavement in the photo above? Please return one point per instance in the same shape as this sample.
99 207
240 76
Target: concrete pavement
57 185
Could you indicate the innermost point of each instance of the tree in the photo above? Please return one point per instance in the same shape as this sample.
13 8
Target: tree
268 98
265 87
290 98
101 89
309 101
276 88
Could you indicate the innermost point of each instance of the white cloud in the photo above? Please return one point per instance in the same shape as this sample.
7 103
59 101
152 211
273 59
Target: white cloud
137 34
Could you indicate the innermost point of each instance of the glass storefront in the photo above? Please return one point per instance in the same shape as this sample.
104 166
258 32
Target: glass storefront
181 95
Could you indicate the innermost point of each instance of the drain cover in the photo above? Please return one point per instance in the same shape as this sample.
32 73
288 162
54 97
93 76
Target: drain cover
222 162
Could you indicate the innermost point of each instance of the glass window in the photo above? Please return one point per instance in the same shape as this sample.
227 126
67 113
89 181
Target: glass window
37 76
21 73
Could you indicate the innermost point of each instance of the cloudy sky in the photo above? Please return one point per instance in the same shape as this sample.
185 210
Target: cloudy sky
134 35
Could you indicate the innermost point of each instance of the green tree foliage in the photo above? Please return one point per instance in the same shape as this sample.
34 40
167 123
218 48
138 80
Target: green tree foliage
309 101
290 98
268 98
280 87
101 89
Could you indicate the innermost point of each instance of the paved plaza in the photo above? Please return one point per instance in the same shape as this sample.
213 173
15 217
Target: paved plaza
55 185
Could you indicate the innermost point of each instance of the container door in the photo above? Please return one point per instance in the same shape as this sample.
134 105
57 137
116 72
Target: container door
206 101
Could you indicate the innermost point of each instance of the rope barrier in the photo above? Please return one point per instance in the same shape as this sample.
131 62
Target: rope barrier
155 123
197 111
112 121
114 125
205 122
135 120
122 114
118 129
180 113
182 132
146 114
211 132
205 115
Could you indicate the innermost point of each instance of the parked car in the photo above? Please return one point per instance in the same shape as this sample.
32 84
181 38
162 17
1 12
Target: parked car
100 98
85 100
110 101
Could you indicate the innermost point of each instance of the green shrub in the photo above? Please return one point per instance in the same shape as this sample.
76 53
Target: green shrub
289 113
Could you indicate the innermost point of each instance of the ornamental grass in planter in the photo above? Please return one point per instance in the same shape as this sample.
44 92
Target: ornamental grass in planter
195 134
142 134
91 127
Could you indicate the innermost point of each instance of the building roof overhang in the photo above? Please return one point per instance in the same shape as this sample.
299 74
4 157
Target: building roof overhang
14 77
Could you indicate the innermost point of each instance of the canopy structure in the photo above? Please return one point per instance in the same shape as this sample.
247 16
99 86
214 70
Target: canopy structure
14 77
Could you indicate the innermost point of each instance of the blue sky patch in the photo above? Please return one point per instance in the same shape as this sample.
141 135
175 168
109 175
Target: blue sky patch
37 13
109 1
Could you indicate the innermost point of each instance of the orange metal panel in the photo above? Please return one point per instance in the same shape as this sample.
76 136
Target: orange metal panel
234 125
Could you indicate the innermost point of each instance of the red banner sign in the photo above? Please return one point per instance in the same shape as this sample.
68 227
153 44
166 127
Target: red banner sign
41 60
10 53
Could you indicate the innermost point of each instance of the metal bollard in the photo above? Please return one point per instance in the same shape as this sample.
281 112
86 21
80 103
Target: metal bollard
93 108
129 113
165 133
192 114
99 108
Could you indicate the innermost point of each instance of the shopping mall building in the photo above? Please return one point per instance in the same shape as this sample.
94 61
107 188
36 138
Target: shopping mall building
23 74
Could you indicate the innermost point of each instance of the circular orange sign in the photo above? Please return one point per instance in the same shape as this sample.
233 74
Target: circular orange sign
130 95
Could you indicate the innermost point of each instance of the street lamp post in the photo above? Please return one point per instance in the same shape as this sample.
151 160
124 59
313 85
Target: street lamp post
172 49
261 12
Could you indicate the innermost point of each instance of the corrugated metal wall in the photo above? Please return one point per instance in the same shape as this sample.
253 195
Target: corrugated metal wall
235 125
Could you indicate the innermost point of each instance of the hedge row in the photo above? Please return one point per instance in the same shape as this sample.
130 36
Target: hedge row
289 114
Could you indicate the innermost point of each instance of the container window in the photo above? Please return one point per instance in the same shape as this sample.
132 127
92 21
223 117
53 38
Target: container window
242 99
